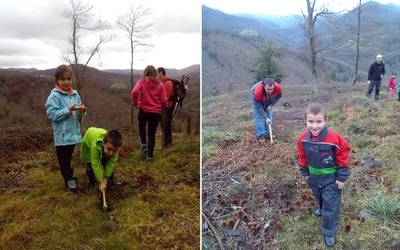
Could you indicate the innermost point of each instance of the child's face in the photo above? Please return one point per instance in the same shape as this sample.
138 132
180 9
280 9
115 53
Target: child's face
65 81
109 149
315 123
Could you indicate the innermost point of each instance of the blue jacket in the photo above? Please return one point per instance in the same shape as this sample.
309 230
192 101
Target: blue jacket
66 127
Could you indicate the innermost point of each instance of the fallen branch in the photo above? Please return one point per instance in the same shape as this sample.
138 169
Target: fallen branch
214 232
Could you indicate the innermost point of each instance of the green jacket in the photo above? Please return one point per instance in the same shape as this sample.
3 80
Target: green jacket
92 151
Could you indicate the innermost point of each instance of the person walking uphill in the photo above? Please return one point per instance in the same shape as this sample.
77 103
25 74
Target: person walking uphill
323 161
265 95
375 75
149 96
168 111
63 108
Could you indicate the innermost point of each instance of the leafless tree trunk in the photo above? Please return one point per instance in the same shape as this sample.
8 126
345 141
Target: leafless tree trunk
134 24
310 21
81 19
357 44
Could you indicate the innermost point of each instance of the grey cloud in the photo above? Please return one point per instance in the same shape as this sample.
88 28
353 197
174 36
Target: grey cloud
176 24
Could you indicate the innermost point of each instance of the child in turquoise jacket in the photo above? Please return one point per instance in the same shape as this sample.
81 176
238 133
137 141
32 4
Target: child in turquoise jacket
63 106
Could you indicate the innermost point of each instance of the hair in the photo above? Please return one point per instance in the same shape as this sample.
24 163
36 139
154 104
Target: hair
315 108
161 71
114 137
268 81
60 71
150 71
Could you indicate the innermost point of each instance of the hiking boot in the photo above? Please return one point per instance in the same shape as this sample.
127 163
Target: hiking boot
114 182
72 186
142 147
329 241
377 97
149 158
317 212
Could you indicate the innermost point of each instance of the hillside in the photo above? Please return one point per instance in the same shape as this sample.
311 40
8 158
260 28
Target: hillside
111 97
155 207
228 53
253 194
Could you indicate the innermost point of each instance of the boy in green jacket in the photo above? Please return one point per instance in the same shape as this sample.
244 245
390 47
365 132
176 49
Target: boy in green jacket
99 150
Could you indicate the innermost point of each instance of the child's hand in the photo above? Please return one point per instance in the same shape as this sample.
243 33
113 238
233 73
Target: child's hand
81 108
340 185
102 185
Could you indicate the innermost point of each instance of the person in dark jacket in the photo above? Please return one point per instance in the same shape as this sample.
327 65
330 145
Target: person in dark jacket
323 161
375 76
167 113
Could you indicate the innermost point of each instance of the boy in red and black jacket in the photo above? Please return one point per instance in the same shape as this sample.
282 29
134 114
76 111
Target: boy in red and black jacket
323 160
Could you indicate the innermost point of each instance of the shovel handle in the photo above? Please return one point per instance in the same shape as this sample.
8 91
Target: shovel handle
270 133
104 199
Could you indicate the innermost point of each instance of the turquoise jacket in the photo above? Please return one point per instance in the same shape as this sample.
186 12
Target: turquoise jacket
66 127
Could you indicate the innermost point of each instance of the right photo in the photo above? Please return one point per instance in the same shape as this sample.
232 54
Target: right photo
300 108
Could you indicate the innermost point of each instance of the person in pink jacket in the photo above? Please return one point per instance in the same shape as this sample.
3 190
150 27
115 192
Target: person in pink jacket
392 82
149 97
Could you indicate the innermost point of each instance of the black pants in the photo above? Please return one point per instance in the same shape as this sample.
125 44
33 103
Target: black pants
151 120
64 156
166 122
90 174
377 85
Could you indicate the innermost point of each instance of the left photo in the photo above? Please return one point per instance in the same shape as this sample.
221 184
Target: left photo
100 124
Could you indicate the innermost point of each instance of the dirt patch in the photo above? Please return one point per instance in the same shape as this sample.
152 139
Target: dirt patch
20 240
17 140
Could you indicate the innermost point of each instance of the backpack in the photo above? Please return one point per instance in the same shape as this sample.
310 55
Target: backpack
180 90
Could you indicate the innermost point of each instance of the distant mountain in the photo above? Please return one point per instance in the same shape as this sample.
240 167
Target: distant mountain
276 22
218 21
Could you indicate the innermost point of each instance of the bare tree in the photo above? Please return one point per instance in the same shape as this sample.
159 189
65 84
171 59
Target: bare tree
80 16
357 43
135 25
310 20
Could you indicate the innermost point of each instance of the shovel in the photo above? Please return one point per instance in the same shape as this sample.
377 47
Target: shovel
105 207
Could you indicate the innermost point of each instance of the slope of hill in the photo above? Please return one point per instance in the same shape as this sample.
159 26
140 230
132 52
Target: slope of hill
254 195
224 45
157 205
26 108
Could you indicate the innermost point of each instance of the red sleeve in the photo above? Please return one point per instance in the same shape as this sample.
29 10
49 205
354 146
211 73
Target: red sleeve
302 155
169 88
343 154
279 89
163 96
135 93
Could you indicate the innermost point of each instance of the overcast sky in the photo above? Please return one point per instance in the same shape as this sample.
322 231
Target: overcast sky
35 34
280 7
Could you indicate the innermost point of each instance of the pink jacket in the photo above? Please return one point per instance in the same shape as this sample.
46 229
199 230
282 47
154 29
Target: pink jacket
149 95
392 82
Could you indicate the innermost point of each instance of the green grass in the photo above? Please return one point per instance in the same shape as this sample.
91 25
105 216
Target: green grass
158 207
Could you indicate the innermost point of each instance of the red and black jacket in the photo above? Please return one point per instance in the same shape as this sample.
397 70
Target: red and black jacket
325 154
260 95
